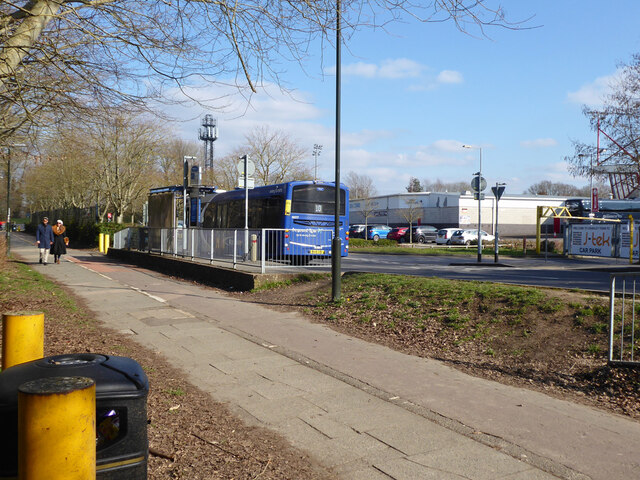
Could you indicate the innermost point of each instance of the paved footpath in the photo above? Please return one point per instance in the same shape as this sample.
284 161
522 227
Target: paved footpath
363 410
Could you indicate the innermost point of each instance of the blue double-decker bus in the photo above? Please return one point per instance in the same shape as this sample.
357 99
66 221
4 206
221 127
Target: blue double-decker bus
302 215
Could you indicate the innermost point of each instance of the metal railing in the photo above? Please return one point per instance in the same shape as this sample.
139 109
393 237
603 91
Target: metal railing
263 249
623 342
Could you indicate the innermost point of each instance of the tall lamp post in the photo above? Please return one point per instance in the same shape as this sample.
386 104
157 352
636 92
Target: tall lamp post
336 244
316 153
479 193
8 224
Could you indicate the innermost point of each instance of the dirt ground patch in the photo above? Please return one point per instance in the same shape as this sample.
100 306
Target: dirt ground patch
558 353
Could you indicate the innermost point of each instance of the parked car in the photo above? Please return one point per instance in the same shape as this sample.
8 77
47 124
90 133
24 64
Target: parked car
356 231
467 237
444 235
423 234
398 234
376 232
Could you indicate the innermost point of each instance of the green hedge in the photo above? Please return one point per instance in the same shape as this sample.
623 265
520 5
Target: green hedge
361 243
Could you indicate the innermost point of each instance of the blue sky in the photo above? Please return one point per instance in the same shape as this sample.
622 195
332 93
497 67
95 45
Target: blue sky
412 96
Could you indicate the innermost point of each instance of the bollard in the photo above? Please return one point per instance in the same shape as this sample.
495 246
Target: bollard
22 337
101 243
106 242
254 248
524 245
57 429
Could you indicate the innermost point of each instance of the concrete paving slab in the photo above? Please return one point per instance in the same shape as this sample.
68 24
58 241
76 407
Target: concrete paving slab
417 437
485 462
405 469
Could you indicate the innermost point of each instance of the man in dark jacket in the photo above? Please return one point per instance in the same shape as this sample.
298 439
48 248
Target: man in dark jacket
44 239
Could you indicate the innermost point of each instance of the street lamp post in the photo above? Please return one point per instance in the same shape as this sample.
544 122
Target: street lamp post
479 193
8 224
336 244
316 153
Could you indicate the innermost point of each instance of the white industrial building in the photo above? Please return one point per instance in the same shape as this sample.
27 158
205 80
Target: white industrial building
516 215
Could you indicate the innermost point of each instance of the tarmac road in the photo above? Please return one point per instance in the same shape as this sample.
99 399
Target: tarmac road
361 409
559 272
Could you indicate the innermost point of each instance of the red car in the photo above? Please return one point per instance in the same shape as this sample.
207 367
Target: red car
397 234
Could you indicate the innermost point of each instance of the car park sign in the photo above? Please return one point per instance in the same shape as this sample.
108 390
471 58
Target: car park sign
593 240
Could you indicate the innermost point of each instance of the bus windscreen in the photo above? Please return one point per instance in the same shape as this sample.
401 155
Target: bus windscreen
316 199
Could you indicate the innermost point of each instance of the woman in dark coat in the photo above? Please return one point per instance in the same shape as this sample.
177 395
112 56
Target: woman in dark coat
60 241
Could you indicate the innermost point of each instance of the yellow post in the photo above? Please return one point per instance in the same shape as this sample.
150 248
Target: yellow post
538 229
22 337
630 239
57 429
101 243
106 242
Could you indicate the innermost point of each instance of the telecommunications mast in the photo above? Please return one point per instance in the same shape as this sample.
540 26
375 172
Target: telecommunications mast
208 134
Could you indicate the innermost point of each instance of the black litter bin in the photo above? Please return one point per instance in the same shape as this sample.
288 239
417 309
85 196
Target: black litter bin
121 411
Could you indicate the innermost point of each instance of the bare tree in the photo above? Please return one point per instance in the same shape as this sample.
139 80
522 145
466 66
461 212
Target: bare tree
123 149
440 186
170 160
60 55
411 213
277 157
360 186
367 207
547 187
225 174
617 125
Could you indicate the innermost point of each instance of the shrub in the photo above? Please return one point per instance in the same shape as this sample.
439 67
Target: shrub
548 246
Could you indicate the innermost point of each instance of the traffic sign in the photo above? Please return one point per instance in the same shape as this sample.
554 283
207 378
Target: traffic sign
478 196
478 184
251 167
497 191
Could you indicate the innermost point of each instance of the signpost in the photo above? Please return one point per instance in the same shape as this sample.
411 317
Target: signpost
498 190
246 168
478 184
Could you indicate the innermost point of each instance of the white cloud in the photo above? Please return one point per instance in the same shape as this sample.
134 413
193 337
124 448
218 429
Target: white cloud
448 145
294 113
363 137
594 93
401 68
391 68
445 77
449 76
360 69
539 143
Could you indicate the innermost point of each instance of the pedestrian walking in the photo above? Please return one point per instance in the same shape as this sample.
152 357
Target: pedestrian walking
44 239
60 241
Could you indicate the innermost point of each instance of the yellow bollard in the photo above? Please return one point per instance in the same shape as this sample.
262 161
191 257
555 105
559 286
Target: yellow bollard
22 337
106 243
57 429
101 243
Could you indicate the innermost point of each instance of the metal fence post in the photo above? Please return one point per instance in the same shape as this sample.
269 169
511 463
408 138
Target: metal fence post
211 248
612 296
192 230
235 248
175 242
263 266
